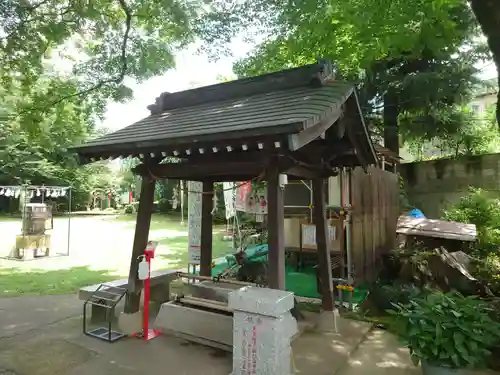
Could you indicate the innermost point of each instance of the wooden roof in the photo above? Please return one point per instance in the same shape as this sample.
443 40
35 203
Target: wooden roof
451 230
385 152
279 104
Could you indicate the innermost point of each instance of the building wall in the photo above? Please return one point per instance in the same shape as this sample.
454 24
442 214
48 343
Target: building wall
436 184
481 103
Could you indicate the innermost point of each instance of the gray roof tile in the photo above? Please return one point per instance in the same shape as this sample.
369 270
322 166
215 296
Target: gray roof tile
303 105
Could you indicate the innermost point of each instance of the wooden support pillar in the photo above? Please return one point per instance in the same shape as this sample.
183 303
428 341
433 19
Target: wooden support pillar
323 244
143 221
276 234
206 229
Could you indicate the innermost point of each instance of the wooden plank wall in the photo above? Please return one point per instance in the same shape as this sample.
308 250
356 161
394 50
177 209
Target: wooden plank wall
375 211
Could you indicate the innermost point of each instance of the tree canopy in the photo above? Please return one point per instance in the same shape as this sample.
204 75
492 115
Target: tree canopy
408 58
62 60
103 41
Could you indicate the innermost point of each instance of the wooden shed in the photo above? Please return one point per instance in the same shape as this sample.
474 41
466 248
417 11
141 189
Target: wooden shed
300 122
363 210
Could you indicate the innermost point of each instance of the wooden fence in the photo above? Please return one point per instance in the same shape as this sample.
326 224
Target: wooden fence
375 211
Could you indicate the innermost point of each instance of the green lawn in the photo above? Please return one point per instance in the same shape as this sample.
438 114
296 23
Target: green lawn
158 221
178 244
178 247
7 218
14 282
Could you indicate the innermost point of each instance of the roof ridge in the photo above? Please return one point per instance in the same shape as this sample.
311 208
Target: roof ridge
314 75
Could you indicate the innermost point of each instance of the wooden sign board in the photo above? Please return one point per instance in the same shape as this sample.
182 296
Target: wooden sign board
292 232
308 236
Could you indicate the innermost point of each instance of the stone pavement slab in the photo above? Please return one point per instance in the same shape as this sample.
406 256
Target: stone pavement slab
62 349
50 344
40 356
381 353
38 338
22 314
321 353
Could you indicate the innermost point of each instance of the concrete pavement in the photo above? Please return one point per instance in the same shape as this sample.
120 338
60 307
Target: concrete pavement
42 336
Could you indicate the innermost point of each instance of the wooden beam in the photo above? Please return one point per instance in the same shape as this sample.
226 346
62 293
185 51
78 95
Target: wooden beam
322 243
306 173
206 228
352 126
322 150
299 140
222 156
276 234
351 161
143 222
200 171
185 142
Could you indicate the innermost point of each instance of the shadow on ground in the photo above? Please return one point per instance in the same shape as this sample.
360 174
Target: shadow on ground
15 282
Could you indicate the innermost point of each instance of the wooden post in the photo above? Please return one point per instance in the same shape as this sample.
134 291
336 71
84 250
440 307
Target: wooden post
276 230
206 229
323 245
143 221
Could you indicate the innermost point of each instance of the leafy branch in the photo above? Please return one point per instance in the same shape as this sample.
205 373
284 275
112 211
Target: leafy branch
123 59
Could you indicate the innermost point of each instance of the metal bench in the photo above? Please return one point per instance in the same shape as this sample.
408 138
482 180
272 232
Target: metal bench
160 291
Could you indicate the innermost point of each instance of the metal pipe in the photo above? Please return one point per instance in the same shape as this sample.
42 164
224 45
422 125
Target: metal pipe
204 300
350 277
207 278
181 184
348 230
306 185
342 203
310 203
207 304
69 219
309 187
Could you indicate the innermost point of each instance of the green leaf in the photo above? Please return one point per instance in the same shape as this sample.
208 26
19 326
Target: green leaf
415 360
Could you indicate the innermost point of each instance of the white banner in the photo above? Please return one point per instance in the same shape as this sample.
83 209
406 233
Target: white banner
195 190
229 198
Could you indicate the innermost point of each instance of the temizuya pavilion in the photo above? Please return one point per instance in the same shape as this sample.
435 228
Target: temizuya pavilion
300 122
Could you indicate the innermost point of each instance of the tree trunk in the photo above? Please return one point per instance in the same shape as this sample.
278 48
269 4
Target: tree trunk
391 127
487 13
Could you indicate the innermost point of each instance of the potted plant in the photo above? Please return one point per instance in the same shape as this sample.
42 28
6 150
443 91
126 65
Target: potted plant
448 332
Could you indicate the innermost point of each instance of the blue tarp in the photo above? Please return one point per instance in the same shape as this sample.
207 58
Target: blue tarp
417 213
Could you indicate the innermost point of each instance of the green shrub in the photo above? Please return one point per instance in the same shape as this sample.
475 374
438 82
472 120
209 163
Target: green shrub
129 209
483 211
488 271
448 329
382 297
404 201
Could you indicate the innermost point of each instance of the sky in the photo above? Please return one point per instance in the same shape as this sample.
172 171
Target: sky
192 70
